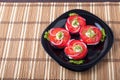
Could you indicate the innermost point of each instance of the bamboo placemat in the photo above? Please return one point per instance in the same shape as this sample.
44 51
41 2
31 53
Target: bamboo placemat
22 55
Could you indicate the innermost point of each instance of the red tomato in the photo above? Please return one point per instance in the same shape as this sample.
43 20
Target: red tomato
59 37
76 49
91 35
74 23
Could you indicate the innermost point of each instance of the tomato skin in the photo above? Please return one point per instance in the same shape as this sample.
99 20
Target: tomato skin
75 55
58 43
90 40
70 28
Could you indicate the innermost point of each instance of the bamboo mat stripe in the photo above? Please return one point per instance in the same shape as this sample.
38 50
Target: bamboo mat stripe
111 69
6 49
22 55
46 22
21 45
44 59
61 5
59 0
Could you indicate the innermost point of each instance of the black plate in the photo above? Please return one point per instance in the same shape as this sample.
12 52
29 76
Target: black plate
95 53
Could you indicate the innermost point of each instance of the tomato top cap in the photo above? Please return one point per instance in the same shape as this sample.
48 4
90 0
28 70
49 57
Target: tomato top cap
76 49
58 37
91 35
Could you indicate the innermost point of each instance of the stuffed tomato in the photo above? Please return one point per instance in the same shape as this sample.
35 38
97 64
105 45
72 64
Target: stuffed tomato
76 49
58 37
74 23
91 35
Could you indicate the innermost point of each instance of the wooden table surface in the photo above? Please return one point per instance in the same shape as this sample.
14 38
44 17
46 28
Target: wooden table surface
22 55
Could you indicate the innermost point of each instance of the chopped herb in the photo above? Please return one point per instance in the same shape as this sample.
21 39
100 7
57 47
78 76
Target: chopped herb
90 33
75 23
46 35
103 35
72 14
59 35
76 61
77 48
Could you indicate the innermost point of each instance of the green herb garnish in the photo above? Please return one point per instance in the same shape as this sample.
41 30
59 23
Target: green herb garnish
77 48
72 14
59 35
90 33
103 35
76 61
46 35
75 23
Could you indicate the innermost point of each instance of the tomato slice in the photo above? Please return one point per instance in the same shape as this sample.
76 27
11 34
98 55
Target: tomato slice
59 37
91 35
74 23
76 49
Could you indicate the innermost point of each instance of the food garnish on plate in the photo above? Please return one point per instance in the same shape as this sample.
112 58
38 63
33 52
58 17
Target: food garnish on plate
76 49
74 23
58 37
91 35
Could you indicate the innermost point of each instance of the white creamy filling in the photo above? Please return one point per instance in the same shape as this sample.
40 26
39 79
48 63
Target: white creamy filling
90 33
75 23
59 35
77 48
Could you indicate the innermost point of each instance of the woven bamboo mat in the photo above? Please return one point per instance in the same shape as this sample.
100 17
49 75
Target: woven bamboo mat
22 55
